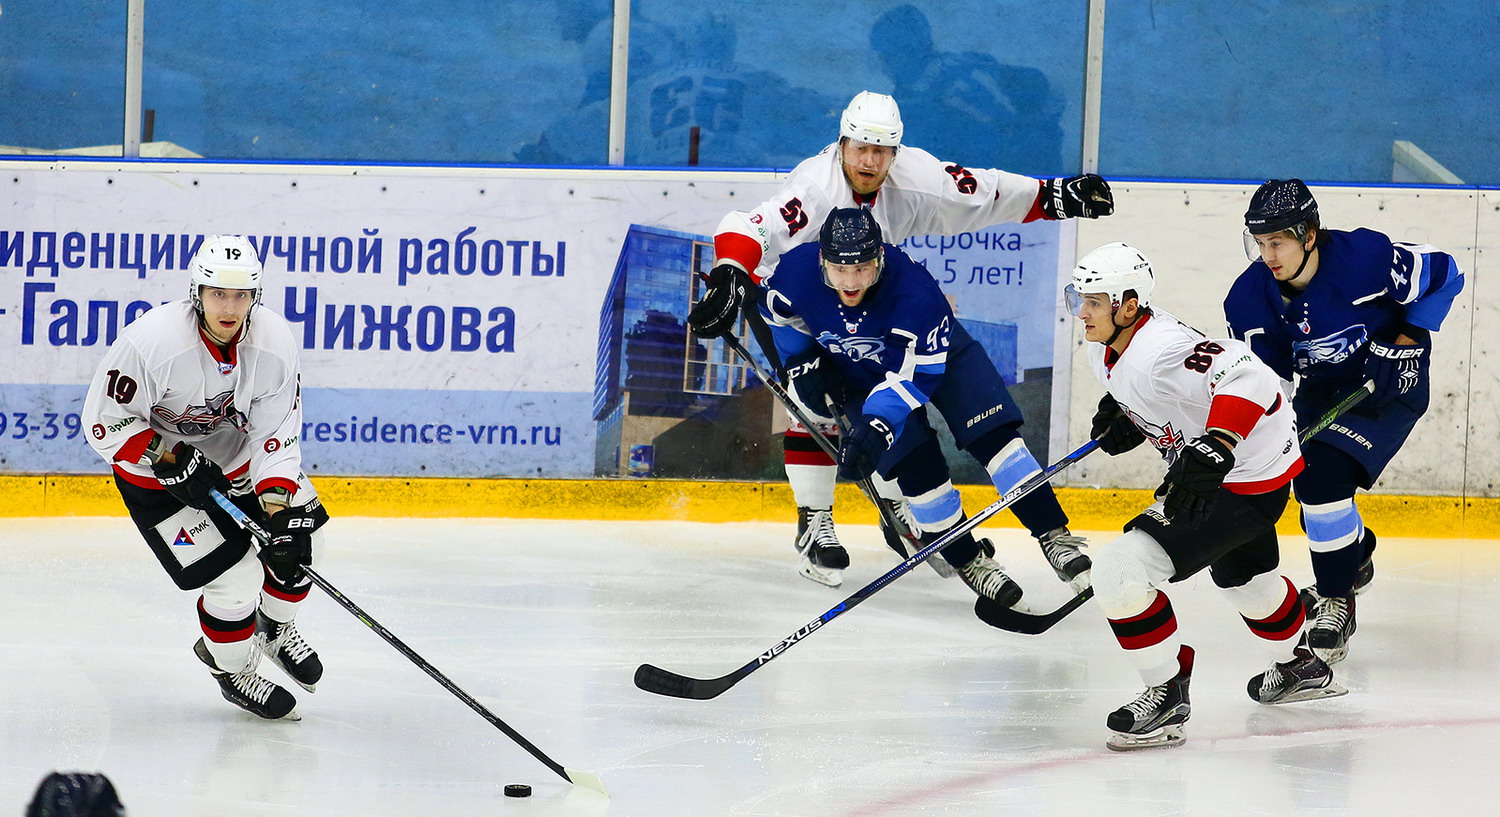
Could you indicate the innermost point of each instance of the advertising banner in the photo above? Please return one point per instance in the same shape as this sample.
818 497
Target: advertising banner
453 321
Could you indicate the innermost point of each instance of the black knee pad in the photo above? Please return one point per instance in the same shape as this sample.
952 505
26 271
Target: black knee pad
987 445
1330 475
921 470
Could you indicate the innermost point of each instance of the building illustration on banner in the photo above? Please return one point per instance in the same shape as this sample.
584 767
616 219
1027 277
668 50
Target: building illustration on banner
670 404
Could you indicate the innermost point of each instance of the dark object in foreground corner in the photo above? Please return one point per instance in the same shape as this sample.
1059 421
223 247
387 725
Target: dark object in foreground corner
75 794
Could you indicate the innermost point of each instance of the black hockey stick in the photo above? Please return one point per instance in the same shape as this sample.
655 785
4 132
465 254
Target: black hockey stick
887 519
1014 621
666 682
258 533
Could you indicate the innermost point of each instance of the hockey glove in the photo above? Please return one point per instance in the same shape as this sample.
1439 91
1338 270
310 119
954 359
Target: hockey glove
715 315
1113 428
861 451
1194 480
1396 370
1085 196
190 477
290 548
811 382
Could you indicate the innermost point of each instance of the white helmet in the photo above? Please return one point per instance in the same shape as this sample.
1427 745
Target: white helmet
872 118
1112 269
226 262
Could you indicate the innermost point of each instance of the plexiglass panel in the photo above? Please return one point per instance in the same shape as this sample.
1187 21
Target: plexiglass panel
1281 88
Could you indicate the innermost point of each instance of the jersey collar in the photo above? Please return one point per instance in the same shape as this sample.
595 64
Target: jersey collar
227 357
1111 357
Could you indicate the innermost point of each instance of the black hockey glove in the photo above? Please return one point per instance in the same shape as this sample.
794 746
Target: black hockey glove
861 451
811 382
1085 196
1194 480
715 315
190 477
1113 428
1396 370
290 548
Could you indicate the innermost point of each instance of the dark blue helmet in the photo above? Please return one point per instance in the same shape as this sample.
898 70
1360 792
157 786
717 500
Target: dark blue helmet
75 794
1280 205
850 236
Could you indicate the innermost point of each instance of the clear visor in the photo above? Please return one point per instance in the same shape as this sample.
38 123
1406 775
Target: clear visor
1073 298
1252 247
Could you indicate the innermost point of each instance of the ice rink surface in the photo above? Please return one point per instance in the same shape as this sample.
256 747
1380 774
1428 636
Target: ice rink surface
906 705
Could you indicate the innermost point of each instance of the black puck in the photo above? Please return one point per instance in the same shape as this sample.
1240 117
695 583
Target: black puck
517 790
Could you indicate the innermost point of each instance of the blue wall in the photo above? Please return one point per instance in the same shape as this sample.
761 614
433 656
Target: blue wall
1201 90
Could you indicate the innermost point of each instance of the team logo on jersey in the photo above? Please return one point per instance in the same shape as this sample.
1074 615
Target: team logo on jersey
184 537
852 348
1331 350
1163 438
1305 327
205 419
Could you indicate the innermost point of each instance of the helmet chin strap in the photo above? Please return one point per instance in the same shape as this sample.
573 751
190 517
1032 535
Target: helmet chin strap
1118 328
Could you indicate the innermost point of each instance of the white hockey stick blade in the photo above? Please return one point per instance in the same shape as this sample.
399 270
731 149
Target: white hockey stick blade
588 780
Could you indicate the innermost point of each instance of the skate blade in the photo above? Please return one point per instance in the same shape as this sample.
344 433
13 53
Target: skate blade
821 575
1333 690
1081 582
1331 656
1165 736
290 716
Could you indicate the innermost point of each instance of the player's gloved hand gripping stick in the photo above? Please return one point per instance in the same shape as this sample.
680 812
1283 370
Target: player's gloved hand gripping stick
262 539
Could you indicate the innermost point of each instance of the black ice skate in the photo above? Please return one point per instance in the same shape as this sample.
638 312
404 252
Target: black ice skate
986 579
1062 549
249 691
1304 678
1156 717
905 548
284 645
1330 626
823 558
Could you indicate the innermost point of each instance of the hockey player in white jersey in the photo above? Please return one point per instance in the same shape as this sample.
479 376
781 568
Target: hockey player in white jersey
1216 414
202 394
910 192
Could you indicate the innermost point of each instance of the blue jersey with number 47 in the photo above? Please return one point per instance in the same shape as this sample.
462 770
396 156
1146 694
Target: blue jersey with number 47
1366 286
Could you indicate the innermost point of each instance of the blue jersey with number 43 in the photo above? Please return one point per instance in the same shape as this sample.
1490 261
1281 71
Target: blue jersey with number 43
894 348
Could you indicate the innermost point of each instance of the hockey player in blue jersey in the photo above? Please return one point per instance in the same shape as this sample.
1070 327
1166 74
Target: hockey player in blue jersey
858 322
1337 308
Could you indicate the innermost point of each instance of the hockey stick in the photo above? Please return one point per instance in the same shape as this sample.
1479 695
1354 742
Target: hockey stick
887 519
665 682
258 533
1014 621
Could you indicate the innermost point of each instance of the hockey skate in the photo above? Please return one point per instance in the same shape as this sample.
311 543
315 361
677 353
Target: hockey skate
1304 678
249 691
823 558
284 645
1062 549
906 548
986 579
1156 717
1366 572
1330 626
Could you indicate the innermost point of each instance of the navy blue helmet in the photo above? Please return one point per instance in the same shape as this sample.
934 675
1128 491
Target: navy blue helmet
850 236
1280 205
